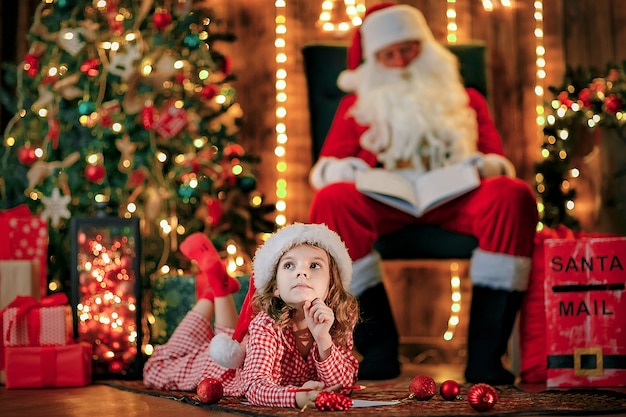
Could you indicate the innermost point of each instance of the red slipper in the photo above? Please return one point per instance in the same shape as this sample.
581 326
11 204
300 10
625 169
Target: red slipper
198 247
220 282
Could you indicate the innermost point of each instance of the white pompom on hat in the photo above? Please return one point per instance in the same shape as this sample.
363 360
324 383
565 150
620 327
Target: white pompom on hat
384 24
228 351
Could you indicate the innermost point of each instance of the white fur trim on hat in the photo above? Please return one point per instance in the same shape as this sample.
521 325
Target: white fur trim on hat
392 25
267 256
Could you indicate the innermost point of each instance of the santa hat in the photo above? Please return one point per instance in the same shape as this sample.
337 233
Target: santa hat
227 351
383 24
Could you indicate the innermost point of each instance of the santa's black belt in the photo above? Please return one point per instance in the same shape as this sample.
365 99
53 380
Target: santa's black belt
587 361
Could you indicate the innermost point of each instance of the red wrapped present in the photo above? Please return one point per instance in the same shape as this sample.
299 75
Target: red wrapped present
585 291
27 322
48 366
171 120
25 237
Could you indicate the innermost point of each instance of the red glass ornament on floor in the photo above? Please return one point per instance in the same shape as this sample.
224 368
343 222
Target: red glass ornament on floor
423 388
332 401
482 397
209 391
450 390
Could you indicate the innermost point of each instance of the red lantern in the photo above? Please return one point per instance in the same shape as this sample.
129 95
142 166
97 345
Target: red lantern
106 287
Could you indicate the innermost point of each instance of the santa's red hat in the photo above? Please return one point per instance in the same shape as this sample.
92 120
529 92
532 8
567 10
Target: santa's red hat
383 24
228 351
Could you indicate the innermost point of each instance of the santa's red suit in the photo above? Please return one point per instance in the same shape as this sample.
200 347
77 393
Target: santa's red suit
501 214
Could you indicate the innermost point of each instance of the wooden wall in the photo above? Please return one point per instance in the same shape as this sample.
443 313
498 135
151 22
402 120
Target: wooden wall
577 32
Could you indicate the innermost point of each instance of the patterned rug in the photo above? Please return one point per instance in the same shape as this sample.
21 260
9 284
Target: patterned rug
512 402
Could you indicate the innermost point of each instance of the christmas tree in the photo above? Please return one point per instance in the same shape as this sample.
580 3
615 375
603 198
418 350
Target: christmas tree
587 99
128 106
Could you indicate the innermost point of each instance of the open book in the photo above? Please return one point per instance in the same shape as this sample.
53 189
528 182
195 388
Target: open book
416 194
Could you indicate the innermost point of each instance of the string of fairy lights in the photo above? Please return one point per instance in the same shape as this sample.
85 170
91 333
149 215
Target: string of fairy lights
451 25
340 16
540 91
280 151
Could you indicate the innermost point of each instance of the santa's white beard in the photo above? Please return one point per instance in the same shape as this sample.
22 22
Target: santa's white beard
417 115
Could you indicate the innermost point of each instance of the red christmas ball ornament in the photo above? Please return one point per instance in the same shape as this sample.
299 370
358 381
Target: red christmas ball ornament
90 67
161 18
26 155
450 390
136 178
95 173
209 91
31 64
332 401
180 77
482 397
423 388
209 391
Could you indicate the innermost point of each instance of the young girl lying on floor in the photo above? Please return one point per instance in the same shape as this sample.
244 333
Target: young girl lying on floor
298 319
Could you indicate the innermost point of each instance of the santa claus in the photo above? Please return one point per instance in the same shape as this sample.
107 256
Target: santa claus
408 109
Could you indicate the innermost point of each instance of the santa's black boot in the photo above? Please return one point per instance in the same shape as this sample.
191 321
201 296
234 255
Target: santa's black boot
376 336
492 316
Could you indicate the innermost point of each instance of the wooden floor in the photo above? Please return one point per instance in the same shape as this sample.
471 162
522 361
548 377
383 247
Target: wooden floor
101 400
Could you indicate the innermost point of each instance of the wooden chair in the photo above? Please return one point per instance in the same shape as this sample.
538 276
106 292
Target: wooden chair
414 256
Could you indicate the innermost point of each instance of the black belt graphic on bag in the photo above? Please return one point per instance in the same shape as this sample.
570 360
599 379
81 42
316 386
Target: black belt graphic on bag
587 361
588 287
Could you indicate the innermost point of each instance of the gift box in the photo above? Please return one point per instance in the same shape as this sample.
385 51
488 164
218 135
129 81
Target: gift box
172 298
25 237
18 278
27 322
585 302
48 366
